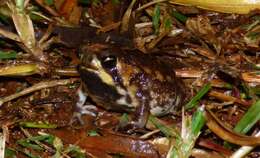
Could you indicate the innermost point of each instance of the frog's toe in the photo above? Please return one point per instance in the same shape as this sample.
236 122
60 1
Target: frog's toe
130 128
88 110
76 117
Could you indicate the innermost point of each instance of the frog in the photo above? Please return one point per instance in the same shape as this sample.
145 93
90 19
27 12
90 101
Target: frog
128 80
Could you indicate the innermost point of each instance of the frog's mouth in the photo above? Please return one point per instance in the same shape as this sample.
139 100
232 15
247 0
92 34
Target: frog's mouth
88 67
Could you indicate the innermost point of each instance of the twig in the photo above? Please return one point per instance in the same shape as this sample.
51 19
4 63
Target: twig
109 27
66 72
49 9
216 83
46 44
144 24
251 77
36 87
126 17
157 40
149 134
225 133
227 98
192 73
28 135
9 35
204 52
2 144
241 152
42 16
46 34
149 4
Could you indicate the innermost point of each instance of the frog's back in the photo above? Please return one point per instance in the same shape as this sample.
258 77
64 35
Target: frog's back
154 80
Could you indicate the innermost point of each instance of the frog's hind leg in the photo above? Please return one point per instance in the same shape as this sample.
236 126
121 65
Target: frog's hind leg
82 108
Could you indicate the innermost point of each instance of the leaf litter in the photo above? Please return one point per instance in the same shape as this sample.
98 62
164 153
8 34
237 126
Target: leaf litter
215 52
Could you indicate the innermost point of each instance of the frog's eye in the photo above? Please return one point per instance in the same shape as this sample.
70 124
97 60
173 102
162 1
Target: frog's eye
109 62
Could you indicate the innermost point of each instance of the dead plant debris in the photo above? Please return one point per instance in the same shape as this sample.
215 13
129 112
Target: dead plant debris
213 47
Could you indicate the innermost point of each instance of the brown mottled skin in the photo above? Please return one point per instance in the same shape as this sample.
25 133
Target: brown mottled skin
139 83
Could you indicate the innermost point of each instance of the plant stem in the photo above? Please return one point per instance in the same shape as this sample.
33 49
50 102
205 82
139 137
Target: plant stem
20 4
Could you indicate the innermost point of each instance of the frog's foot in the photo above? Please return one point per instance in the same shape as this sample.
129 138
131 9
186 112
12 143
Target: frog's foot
88 109
131 127
139 120
84 110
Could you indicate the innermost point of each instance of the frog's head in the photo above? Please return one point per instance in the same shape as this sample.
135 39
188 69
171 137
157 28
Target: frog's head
100 70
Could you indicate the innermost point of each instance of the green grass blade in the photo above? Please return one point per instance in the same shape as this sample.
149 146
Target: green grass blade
49 2
93 133
256 90
182 18
75 151
168 24
10 153
58 145
198 121
19 70
29 144
37 125
115 2
167 131
46 138
8 55
249 119
193 102
20 4
156 18
29 154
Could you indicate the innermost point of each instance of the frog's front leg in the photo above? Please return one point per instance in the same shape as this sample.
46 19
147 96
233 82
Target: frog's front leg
141 115
139 119
82 108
